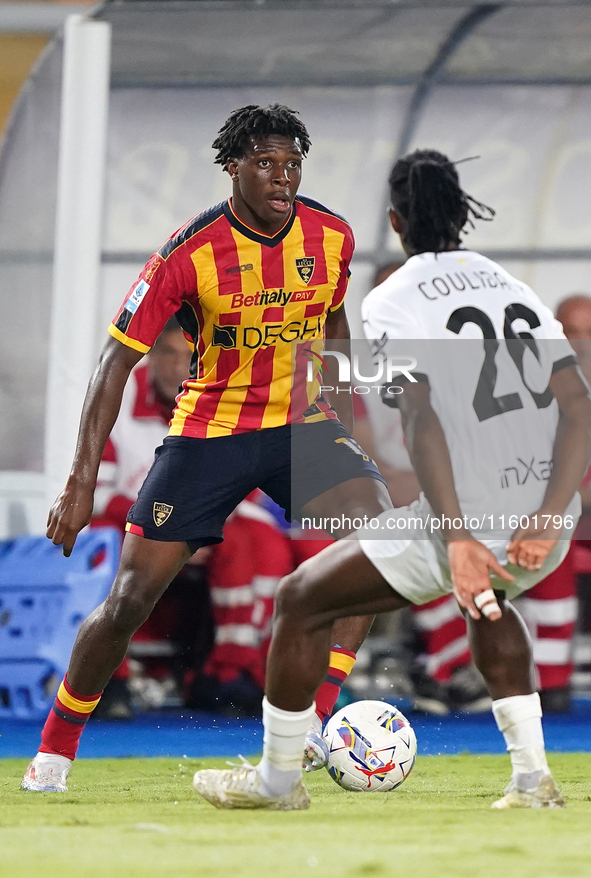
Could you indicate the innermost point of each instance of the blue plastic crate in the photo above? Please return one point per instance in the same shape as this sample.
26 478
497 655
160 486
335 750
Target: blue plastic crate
44 598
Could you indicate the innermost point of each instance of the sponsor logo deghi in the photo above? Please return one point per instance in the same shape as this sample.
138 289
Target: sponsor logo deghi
254 337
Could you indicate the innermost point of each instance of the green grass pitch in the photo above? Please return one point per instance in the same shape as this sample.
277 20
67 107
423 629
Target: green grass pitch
139 818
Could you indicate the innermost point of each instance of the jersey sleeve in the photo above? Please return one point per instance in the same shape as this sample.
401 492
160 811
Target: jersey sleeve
383 319
562 352
343 281
152 300
549 333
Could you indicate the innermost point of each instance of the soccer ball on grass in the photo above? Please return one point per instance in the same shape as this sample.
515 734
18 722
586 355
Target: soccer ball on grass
372 747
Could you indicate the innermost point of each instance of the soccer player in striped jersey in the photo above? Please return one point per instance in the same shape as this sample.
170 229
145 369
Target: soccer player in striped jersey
246 279
499 436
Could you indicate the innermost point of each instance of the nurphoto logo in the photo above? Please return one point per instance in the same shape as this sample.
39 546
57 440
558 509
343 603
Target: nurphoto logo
387 369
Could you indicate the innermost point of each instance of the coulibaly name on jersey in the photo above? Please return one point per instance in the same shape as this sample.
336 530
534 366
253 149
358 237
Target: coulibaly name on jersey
465 280
279 297
254 337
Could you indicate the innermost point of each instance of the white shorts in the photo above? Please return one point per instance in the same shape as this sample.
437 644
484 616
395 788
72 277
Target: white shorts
416 566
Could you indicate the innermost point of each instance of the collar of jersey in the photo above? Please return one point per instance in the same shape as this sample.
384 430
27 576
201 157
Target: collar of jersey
259 237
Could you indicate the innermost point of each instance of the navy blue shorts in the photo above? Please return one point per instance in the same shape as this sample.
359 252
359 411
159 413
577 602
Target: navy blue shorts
194 484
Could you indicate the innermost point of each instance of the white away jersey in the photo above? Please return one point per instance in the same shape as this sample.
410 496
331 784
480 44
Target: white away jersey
487 347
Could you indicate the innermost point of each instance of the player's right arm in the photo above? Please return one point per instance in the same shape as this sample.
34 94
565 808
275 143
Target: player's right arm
72 509
155 297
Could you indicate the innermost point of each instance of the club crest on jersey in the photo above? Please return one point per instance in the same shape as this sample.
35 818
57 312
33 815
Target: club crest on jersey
161 513
305 267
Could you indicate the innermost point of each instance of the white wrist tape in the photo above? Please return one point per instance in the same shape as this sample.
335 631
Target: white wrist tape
486 602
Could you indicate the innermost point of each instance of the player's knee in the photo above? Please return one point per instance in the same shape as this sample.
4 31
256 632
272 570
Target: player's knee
291 596
128 606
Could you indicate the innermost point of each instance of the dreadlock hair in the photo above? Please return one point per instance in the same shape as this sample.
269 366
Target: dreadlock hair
425 190
252 123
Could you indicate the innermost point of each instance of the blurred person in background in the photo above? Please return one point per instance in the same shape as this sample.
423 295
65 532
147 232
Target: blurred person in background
574 312
146 409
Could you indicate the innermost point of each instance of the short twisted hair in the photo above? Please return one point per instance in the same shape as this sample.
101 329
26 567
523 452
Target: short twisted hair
425 190
252 123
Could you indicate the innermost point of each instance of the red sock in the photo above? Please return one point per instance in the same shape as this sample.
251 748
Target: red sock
340 666
66 721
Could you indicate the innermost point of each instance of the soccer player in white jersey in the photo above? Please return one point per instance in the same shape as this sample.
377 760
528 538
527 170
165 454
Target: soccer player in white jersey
497 434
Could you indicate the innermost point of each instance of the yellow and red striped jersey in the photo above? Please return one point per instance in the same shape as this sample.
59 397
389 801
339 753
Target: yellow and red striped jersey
252 307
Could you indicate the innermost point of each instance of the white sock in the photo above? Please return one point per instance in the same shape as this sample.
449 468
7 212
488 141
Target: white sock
283 747
46 758
316 724
519 718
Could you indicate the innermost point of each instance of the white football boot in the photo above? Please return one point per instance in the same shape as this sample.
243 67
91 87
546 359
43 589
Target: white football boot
239 787
47 773
545 795
316 752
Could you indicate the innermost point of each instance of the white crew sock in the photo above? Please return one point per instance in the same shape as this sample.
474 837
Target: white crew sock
53 759
283 747
316 724
519 718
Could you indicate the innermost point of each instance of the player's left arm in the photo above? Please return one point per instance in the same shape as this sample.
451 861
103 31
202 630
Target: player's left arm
471 563
338 338
531 546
